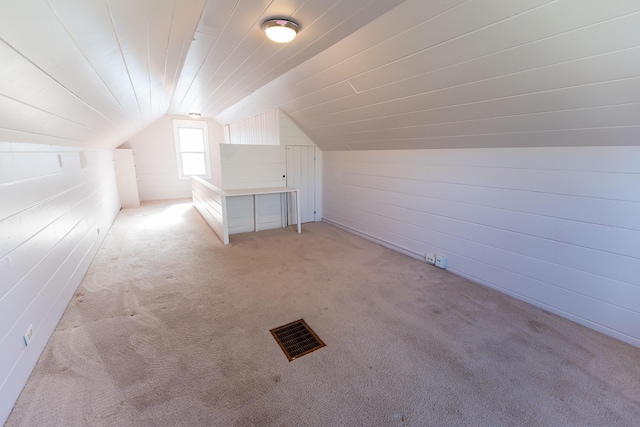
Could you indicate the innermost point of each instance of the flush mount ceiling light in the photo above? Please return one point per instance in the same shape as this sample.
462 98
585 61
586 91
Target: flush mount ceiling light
195 115
280 30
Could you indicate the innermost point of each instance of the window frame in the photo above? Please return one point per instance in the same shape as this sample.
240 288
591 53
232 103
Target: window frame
192 124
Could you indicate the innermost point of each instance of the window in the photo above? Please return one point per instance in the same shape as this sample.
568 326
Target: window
192 148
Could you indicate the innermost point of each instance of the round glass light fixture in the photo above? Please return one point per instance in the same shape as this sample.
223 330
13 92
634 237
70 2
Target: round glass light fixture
280 30
194 115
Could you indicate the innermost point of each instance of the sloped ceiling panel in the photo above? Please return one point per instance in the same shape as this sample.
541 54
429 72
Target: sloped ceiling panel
363 74
231 57
91 72
456 73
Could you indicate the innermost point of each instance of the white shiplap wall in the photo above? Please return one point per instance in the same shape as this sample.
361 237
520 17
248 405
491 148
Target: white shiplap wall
154 151
56 206
211 204
253 166
262 129
557 227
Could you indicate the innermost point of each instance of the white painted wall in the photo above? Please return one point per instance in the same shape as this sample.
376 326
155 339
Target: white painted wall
556 227
155 158
56 206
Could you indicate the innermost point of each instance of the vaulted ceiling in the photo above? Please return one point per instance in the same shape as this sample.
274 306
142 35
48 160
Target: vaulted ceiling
362 74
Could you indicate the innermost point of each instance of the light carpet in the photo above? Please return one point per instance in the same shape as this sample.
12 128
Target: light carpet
169 327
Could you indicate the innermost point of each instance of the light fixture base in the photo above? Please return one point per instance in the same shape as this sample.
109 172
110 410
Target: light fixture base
280 30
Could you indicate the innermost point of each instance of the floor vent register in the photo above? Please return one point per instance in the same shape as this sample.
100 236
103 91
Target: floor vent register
296 339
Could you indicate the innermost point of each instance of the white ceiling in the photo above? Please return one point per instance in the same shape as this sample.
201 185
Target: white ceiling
363 74
230 56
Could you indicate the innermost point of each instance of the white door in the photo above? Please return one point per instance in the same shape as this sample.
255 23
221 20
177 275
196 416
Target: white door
301 172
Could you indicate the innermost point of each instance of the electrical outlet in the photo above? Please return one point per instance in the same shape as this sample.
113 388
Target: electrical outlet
441 261
430 258
28 335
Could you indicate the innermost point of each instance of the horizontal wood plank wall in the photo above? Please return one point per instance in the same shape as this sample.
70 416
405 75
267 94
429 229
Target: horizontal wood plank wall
228 215
253 166
240 214
556 227
269 212
57 206
209 201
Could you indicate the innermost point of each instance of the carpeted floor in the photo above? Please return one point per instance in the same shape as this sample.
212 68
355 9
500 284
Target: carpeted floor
171 328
